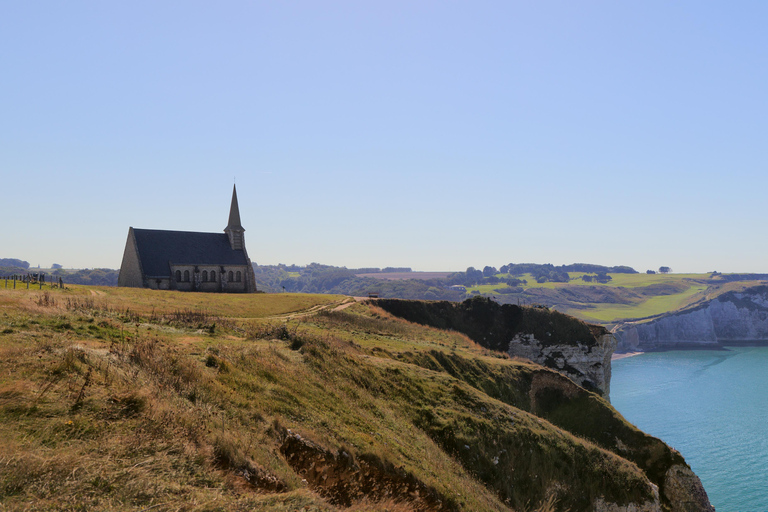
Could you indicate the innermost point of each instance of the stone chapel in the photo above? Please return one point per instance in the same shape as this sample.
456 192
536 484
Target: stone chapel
189 261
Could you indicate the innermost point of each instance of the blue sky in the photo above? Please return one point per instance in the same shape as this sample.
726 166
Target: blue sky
435 135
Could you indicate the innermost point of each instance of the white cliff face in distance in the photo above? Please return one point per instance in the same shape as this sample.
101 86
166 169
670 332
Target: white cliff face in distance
731 318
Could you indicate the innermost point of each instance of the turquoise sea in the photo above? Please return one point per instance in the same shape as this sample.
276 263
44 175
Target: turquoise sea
712 406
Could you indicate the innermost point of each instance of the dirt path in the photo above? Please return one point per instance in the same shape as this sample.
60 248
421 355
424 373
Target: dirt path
336 306
345 305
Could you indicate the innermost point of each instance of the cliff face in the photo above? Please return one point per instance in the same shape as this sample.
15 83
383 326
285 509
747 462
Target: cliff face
734 317
580 351
588 365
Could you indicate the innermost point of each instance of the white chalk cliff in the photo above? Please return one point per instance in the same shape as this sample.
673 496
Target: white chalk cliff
731 318
588 364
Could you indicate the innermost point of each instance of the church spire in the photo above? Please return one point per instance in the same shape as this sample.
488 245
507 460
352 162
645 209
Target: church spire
234 211
234 229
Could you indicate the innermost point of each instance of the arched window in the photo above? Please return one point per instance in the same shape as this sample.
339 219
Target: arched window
230 277
178 276
213 276
205 276
186 276
239 276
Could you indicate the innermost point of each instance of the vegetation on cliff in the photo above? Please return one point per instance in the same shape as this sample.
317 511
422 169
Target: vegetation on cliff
129 398
493 325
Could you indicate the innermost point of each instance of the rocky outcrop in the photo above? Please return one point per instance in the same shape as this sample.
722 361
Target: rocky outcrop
731 318
684 491
586 364
601 505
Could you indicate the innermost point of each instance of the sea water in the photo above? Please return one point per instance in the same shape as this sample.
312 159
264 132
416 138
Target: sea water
710 405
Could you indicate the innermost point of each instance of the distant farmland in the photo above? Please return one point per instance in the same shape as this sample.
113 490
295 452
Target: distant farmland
398 276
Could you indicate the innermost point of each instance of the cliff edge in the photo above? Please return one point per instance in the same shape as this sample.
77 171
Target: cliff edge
576 349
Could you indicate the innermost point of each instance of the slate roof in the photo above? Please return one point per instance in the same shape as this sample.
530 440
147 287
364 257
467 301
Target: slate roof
159 248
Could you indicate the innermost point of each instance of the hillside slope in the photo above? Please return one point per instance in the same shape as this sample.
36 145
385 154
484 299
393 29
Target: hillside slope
138 399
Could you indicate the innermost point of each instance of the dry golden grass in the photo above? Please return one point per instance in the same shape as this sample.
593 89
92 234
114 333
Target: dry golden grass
134 400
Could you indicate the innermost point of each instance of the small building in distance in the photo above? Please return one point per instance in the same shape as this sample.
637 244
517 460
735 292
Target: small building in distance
189 261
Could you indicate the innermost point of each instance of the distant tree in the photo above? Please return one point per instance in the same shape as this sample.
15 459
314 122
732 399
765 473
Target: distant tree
489 271
559 276
622 269
665 270
602 277
55 266
511 281
650 271
473 275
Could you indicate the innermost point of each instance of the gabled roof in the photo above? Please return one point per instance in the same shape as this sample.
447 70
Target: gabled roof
159 248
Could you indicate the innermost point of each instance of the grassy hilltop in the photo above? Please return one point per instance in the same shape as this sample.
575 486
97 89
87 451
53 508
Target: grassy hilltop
132 399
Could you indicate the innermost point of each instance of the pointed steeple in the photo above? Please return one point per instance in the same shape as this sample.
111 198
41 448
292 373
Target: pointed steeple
234 229
234 211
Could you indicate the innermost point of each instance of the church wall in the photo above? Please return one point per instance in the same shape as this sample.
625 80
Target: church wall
183 285
130 269
158 284
235 286
221 284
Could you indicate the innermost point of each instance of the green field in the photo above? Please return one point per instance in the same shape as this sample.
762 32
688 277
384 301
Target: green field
624 297
651 307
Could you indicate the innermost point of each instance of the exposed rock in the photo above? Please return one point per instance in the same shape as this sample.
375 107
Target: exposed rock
731 318
684 491
601 505
588 365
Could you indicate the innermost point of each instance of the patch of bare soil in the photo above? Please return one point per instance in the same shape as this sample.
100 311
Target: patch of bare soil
344 479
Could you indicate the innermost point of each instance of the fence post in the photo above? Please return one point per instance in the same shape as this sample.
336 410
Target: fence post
14 282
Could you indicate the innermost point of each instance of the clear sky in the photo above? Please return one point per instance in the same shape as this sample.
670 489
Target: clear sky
429 134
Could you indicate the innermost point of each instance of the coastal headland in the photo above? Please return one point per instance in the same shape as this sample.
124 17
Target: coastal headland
131 398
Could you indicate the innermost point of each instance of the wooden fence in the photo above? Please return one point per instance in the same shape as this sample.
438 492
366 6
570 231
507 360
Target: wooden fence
32 279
